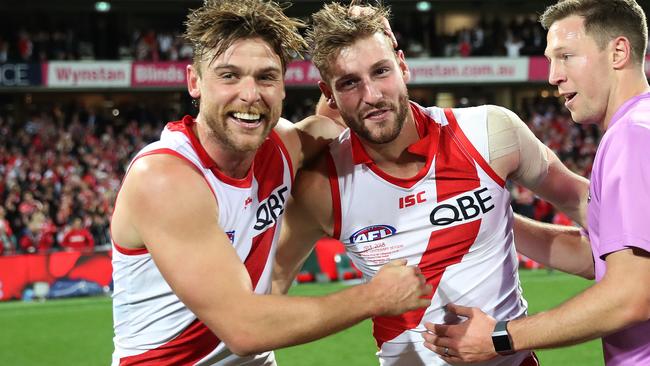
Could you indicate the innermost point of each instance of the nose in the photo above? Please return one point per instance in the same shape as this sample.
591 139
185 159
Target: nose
249 92
556 74
371 92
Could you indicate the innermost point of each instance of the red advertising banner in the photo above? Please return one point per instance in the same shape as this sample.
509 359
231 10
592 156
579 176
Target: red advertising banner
538 69
17 272
301 73
87 74
158 74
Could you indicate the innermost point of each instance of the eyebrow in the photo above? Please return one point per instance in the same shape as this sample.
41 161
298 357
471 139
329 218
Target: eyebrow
555 50
237 68
375 65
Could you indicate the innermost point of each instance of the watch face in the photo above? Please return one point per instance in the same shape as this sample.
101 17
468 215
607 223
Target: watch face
501 339
501 343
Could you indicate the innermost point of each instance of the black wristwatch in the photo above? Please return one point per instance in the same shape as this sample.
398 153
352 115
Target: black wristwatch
501 339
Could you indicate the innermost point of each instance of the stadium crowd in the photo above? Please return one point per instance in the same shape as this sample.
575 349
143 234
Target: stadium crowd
59 173
494 37
60 169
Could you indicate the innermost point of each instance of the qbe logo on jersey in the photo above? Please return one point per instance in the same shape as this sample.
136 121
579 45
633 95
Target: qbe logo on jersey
463 208
270 209
372 233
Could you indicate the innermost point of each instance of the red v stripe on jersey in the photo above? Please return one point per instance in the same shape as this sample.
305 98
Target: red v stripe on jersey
446 247
268 178
267 175
259 254
455 174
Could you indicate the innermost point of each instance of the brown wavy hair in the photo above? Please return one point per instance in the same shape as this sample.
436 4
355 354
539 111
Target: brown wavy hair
333 29
215 26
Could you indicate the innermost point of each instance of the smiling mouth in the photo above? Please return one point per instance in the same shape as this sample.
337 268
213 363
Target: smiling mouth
243 117
569 96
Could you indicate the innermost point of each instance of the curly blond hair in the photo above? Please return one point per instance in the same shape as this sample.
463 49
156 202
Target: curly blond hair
334 28
215 26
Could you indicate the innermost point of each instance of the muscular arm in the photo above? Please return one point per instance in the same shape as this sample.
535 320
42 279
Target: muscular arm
620 299
197 260
307 218
554 246
517 154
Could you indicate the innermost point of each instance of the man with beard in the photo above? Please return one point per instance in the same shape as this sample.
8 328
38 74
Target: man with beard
198 214
426 185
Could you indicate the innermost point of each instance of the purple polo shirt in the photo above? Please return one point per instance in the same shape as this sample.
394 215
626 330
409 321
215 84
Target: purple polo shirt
619 211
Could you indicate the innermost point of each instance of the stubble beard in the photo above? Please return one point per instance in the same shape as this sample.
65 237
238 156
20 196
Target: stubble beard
388 130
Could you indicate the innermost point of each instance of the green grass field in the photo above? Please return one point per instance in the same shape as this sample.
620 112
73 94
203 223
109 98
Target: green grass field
79 331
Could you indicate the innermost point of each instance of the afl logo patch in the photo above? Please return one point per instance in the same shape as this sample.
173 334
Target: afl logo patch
231 235
371 233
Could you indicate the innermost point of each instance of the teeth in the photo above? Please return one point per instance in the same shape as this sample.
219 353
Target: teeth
246 116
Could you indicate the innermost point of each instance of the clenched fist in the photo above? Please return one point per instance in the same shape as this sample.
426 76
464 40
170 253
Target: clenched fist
399 288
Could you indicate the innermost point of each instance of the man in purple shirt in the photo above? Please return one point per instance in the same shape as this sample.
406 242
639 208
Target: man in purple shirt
597 53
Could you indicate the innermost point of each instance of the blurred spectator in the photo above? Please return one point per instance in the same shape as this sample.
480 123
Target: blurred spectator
4 50
78 237
25 46
513 45
7 239
523 201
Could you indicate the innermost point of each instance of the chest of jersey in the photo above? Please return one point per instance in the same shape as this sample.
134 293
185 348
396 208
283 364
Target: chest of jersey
381 221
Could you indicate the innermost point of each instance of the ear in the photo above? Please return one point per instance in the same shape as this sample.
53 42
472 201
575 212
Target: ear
621 52
403 66
193 78
327 93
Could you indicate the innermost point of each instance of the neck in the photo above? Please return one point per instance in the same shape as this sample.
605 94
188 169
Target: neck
630 84
234 164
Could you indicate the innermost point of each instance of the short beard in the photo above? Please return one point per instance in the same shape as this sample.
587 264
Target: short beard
384 136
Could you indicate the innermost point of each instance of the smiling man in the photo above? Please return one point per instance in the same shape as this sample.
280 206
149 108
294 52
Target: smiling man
597 54
425 185
199 212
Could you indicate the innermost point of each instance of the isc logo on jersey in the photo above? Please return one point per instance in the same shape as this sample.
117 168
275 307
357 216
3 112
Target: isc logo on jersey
270 209
463 208
372 233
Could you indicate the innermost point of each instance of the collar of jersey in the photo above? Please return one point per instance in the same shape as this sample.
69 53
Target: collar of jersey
208 162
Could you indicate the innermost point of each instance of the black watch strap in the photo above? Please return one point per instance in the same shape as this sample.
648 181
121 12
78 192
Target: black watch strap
501 339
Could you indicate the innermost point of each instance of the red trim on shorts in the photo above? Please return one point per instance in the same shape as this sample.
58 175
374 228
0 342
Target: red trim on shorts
276 138
336 196
189 347
458 132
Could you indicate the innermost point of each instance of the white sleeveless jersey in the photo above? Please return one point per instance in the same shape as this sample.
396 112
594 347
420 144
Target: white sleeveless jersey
152 325
453 220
